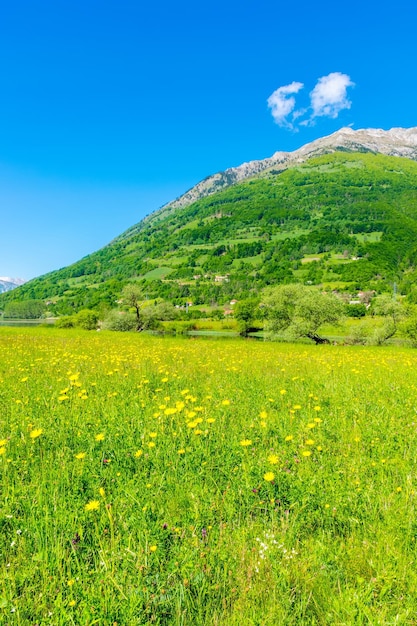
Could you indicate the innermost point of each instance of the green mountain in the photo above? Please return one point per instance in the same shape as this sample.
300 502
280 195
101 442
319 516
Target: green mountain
345 220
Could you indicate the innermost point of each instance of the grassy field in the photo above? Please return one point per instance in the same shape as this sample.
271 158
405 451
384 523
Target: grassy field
172 481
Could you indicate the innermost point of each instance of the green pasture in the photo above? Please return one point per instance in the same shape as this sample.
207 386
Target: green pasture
172 481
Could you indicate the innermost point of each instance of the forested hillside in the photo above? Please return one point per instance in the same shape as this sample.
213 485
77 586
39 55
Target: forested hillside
344 221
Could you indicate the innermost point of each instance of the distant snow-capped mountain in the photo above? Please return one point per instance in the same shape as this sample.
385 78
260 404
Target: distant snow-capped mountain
7 283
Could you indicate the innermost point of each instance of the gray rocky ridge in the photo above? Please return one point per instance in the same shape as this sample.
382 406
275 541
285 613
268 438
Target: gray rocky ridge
394 142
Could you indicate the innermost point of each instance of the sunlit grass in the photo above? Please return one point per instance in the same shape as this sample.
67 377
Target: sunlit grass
179 481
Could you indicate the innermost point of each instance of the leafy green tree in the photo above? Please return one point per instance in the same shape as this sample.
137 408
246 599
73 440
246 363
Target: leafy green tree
299 311
393 312
246 312
26 309
86 319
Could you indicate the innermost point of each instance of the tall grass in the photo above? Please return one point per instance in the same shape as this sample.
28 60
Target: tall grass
185 482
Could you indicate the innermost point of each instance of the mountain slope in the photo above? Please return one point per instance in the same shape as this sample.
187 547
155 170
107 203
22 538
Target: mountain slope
393 142
345 220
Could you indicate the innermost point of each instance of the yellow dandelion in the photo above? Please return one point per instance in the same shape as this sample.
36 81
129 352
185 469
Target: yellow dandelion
311 425
296 407
182 451
102 492
225 402
310 442
306 453
37 432
289 437
283 392
269 476
273 459
2 450
198 431
263 415
151 444
99 437
138 453
72 603
246 442
70 582
192 424
317 408
153 549
93 505
3 442
80 455
62 398
153 435
210 420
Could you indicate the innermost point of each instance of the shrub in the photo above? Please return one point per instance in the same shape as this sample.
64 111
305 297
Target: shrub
119 321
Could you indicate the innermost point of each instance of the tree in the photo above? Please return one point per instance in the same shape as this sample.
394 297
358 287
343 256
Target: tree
132 295
300 311
393 311
245 312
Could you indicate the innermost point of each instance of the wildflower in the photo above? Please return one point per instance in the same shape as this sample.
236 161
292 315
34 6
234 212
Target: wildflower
210 420
2 450
273 459
225 402
151 444
306 453
80 455
102 492
153 549
37 432
3 442
182 451
246 442
138 453
99 437
263 414
289 437
93 505
310 442
269 476
153 435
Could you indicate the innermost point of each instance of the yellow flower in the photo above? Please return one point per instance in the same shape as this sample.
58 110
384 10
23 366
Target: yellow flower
246 442
283 392
182 451
37 432
2 450
263 414
306 453
225 402
273 459
99 437
102 492
93 505
138 453
70 582
72 603
153 435
80 455
210 420
3 442
151 444
289 437
317 408
310 442
153 549
269 476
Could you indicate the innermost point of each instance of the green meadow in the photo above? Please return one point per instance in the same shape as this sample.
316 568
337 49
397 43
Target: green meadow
175 481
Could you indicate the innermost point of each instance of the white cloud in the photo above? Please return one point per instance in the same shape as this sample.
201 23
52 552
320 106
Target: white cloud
327 99
281 104
329 96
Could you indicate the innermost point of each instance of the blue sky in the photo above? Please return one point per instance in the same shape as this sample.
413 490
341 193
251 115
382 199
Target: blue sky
108 110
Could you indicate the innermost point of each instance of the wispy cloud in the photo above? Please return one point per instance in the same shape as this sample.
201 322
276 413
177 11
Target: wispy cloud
282 103
327 99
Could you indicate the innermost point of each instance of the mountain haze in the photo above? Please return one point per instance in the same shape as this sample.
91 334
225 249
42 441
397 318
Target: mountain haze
340 212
